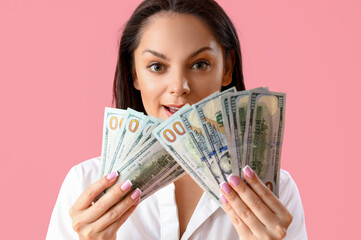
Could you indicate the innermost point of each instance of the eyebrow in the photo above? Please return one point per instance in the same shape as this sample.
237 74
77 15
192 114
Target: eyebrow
160 55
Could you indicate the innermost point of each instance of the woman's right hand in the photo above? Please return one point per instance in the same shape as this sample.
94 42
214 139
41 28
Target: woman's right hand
102 219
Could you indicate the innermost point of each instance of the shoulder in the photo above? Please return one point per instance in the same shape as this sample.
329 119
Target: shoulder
285 177
288 188
82 175
87 168
78 178
290 197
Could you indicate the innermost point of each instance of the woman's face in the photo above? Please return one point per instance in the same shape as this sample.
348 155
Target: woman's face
178 61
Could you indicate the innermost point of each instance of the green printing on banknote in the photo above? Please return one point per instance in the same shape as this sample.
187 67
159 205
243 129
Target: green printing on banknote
210 115
240 120
181 147
212 139
264 136
171 177
148 166
193 127
226 113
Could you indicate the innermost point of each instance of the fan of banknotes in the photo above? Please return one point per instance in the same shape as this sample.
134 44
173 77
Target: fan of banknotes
209 140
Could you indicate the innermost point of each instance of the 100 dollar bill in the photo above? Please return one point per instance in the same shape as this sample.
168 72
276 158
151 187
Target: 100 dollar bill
132 124
174 138
144 127
193 127
177 173
147 166
264 136
113 119
209 113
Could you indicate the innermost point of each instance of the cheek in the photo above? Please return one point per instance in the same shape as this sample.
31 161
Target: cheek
208 89
148 88
150 102
206 84
151 90
149 85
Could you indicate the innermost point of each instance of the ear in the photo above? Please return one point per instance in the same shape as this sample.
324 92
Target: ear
135 79
228 69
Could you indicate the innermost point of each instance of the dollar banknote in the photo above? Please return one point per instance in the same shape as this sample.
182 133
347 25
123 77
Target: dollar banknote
171 177
238 116
148 131
147 166
174 138
209 113
226 113
145 127
113 119
237 104
210 140
264 136
132 124
192 125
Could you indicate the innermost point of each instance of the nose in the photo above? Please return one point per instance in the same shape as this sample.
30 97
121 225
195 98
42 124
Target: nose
178 84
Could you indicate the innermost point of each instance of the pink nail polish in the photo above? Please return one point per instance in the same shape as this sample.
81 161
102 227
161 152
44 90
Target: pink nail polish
112 175
126 185
248 171
225 187
224 199
234 180
135 194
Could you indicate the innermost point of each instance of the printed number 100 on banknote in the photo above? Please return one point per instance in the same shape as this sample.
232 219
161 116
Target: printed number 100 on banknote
113 119
175 139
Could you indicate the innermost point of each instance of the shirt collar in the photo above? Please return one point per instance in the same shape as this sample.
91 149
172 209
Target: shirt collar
167 204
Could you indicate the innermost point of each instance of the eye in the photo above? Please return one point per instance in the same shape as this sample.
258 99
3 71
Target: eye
201 65
156 67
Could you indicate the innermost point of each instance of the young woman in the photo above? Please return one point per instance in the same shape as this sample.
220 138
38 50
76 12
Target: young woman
174 52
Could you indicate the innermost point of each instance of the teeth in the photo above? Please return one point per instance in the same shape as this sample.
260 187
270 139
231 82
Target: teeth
173 109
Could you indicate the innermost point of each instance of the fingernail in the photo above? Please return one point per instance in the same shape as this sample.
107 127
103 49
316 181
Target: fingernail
136 193
223 199
112 175
126 185
225 187
248 171
234 180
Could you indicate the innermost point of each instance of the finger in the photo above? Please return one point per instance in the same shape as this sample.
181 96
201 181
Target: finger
107 201
241 227
110 231
264 192
242 210
117 211
117 224
91 192
253 202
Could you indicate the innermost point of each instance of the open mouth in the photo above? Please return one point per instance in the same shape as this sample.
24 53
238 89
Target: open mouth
172 109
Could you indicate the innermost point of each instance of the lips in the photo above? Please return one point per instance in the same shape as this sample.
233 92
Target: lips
171 109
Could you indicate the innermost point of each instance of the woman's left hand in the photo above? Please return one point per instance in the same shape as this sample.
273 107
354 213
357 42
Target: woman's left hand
254 210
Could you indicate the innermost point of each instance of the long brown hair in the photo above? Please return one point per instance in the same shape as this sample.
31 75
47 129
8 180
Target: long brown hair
124 93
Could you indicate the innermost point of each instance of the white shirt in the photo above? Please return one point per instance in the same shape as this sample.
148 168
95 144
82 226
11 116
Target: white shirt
157 216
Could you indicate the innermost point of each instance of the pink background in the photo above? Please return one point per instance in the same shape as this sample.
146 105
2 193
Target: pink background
57 61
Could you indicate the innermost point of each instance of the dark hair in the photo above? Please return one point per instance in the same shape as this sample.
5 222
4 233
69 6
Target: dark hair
124 93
